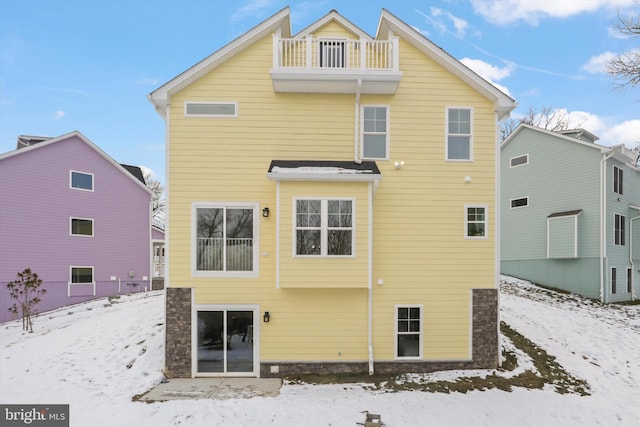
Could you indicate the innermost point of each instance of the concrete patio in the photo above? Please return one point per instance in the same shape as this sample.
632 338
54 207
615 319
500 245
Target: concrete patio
212 388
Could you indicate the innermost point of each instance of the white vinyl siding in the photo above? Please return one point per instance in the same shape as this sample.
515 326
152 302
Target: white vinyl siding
211 109
562 237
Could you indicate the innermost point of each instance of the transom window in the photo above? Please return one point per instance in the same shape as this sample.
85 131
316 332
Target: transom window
519 161
618 229
375 133
81 227
520 202
409 331
324 227
81 275
459 145
81 180
617 180
225 238
475 222
211 109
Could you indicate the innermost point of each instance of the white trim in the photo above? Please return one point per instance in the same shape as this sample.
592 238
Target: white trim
446 133
324 227
214 116
395 332
511 165
386 133
71 233
257 318
277 234
486 222
71 283
575 233
518 198
93 181
256 238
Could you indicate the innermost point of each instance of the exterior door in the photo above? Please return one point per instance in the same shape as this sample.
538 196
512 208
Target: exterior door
225 342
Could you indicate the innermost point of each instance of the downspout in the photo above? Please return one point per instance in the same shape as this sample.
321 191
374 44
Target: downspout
633 267
497 256
356 136
603 223
370 283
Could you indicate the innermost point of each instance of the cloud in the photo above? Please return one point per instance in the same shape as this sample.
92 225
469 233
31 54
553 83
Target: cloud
459 24
58 115
504 12
489 72
598 64
147 173
251 9
627 132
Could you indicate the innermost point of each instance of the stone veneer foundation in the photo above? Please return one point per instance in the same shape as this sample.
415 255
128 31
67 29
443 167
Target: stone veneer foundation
485 351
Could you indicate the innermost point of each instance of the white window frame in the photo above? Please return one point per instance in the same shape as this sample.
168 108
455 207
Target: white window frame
324 218
93 275
71 233
386 133
526 156
618 180
619 233
519 198
194 239
396 332
486 222
93 183
215 116
629 280
447 134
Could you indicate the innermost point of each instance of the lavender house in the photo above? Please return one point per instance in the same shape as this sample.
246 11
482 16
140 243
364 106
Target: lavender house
77 218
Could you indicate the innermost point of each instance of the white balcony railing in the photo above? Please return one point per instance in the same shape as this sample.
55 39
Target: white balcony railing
218 254
335 54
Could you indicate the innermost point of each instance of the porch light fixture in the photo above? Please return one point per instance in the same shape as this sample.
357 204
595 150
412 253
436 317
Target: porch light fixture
265 213
266 317
399 165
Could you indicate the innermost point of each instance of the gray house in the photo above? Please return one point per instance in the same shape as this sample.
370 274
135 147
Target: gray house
571 213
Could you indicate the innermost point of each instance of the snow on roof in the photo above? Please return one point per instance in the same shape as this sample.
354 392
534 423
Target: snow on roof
318 170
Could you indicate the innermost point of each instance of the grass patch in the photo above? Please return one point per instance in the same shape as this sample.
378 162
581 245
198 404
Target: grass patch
547 372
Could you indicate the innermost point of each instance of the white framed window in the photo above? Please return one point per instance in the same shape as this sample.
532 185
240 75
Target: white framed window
80 180
475 222
225 239
521 202
618 229
519 161
459 143
81 227
408 331
618 175
323 227
81 275
614 280
219 109
332 53
375 132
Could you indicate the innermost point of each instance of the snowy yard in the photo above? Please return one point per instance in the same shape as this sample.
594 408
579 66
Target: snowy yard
96 356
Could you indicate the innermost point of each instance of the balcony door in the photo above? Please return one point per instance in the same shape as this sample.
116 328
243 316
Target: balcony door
332 54
226 339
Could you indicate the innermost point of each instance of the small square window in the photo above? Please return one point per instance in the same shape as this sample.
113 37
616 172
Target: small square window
81 180
81 275
324 227
81 227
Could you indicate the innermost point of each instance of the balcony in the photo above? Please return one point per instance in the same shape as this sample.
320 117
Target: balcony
312 65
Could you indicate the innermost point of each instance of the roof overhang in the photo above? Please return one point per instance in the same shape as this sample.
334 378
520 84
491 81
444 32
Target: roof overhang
323 170
575 212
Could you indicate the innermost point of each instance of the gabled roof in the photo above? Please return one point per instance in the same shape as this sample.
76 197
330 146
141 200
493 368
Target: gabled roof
280 24
129 171
559 135
28 140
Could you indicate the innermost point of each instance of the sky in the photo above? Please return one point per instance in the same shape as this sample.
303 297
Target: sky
70 65
98 374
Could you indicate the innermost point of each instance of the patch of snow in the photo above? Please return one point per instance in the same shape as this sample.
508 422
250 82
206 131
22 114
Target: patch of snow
317 170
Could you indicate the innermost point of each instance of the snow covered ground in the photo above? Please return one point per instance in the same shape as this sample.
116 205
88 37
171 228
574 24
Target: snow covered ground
96 356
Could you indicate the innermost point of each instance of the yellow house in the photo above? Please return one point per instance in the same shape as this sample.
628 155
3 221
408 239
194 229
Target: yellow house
332 205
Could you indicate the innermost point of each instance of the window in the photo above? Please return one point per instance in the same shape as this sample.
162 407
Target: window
324 227
629 280
80 275
375 133
618 229
519 161
617 180
225 238
614 280
81 227
520 203
81 180
475 222
409 331
211 109
459 134
332 54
